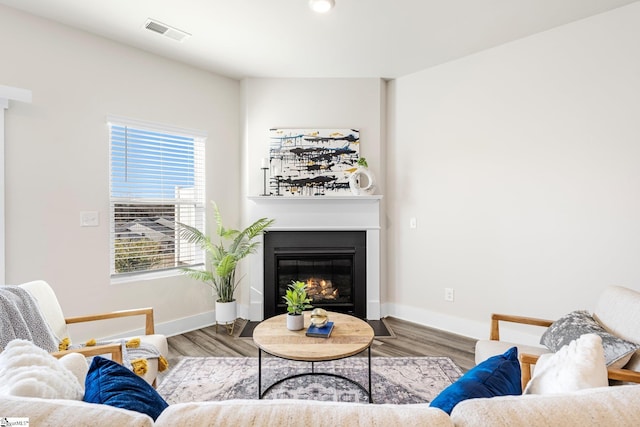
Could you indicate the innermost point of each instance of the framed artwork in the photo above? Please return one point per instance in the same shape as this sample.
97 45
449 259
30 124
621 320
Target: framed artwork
312 162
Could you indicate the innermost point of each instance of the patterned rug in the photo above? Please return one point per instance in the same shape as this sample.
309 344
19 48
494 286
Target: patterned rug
399 380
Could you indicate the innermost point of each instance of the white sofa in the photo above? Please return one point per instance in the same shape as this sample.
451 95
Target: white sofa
607 406
619 406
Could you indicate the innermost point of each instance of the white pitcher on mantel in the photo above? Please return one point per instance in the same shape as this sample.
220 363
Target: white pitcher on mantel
354 182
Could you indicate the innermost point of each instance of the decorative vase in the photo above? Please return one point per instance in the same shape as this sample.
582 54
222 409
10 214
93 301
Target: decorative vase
295 322
225 312
354 181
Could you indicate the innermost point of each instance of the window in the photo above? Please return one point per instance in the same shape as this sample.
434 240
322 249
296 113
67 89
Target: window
157 181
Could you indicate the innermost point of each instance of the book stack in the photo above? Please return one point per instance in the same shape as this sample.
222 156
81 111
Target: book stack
320 331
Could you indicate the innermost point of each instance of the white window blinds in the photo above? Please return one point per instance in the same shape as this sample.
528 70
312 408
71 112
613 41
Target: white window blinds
157 181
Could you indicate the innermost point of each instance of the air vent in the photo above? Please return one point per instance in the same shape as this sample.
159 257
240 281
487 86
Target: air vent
166 30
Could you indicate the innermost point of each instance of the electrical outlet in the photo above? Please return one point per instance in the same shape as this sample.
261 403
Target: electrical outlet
413 222
448 294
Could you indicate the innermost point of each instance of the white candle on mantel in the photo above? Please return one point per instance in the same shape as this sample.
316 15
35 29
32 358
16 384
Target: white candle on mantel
265 163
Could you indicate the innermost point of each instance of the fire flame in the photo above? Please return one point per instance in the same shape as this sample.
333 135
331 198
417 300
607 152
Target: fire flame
321 289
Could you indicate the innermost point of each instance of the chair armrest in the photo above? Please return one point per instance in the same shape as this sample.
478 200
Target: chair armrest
526 360
147 312
114 349
496 318
623 375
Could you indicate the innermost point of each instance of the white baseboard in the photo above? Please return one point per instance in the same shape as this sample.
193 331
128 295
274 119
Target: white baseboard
186 324
458 325
176 326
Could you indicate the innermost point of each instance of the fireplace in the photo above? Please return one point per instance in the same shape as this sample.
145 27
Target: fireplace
331 263
361 214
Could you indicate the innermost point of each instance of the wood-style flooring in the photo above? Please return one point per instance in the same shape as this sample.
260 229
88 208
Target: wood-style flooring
408 340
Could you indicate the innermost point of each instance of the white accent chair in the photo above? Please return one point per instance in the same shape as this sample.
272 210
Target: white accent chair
618 312
52 312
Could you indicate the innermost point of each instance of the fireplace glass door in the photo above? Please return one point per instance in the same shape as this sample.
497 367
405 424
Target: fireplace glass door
329 277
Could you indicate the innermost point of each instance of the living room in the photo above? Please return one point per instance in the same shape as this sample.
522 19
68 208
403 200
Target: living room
517 163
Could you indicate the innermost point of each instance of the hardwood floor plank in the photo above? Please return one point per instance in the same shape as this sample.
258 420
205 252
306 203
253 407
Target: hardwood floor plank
411 340
418 340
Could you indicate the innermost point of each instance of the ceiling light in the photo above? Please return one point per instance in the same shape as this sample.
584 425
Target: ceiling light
321 6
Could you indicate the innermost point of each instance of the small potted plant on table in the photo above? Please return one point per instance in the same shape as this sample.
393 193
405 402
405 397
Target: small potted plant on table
297 301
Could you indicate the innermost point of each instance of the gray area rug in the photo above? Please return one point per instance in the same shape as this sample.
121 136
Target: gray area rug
399 380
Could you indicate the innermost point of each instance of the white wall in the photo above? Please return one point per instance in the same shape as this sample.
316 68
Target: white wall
308 103
521 166
57 160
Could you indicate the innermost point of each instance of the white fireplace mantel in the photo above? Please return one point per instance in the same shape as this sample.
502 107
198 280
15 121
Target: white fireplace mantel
320 213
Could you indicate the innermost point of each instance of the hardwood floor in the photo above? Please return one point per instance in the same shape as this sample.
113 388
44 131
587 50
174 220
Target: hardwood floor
410 340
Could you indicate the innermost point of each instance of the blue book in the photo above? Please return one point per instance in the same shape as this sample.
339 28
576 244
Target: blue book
320 332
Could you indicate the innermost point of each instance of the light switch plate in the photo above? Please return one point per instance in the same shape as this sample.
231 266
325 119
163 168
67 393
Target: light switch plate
89 219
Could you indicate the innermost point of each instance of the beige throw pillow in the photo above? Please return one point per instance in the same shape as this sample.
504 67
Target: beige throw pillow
29 371
576 366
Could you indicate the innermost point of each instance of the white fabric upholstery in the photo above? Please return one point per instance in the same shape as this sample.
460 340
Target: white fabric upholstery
618 311
277 413
77 364
487 348
55 412
576 366
608 406
29 371
634 363
49 306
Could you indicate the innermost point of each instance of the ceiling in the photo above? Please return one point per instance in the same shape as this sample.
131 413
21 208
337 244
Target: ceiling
283 38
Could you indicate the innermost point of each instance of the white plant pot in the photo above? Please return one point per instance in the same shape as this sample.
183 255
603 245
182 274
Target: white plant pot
295 322
225 312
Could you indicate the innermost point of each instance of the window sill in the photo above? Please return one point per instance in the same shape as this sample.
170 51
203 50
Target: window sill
152 275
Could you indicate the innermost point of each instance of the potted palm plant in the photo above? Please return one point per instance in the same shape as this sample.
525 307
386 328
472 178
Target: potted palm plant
223 257
297 301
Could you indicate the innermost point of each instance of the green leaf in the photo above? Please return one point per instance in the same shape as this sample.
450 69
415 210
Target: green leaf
222 259
296 297
226 265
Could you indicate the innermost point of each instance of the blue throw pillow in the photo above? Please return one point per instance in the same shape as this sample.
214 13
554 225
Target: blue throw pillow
496 376
112 384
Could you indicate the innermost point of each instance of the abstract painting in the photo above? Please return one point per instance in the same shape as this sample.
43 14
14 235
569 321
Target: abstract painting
312 162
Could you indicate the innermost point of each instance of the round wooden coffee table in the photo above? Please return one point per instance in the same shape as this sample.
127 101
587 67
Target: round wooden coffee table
349 337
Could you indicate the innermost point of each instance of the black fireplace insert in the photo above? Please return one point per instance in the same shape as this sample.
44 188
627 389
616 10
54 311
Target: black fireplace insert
331 263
